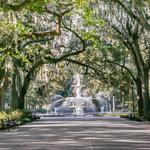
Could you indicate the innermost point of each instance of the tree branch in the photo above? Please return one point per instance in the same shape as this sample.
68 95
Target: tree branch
17 7
53 33
124 67
64 57
28 42
142 21
87 66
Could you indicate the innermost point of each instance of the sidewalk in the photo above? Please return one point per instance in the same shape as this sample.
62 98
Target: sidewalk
78 134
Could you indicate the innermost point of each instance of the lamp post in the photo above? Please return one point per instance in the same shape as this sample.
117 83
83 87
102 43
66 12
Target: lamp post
123 101
113 104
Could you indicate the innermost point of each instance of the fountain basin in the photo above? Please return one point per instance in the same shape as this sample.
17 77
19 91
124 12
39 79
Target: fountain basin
77 106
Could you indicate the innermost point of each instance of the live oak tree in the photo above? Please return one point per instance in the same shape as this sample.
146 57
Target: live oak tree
49 32
137 10
32 46
135 37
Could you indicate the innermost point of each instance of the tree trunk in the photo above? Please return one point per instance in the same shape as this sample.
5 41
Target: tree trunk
27 79
146 94
2 102
21 101
3 87
23 91
14 94
140 97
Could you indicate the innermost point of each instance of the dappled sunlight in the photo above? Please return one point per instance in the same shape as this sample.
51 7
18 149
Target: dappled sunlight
143 148
5 148
79 134
132 141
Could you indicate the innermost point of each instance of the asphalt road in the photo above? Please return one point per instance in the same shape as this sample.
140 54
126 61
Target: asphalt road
78 134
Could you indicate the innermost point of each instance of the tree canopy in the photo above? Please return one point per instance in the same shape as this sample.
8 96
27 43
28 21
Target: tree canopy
106 41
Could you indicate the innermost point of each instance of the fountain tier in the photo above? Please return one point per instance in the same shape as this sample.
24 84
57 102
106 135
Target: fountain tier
76 105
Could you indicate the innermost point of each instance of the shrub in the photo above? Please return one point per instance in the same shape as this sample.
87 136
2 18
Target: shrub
3 115
21 116
16 115
124 116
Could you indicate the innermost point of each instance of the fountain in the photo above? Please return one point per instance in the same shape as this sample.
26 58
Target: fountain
105 101
76 105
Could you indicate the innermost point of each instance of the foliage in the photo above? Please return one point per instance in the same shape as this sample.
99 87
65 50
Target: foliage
16 115
3 115
19 116
95 35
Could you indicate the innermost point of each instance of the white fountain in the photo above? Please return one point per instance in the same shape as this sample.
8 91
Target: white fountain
78 102
76 105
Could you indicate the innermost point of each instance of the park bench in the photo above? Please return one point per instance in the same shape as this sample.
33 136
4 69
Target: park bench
9 124
35 117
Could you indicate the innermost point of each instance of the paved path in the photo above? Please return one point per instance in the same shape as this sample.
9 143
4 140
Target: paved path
78 134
